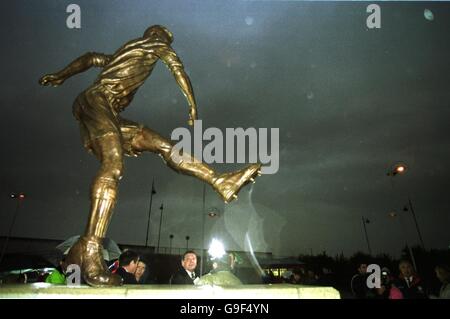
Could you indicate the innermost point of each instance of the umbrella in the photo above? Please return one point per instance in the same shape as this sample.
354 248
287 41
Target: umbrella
110 249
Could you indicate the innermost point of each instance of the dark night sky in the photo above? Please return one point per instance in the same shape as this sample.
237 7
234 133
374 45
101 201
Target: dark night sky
349 102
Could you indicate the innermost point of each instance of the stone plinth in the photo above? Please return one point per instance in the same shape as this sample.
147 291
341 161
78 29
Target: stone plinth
276 291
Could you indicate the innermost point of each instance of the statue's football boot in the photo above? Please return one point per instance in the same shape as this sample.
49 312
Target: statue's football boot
87 253
228 185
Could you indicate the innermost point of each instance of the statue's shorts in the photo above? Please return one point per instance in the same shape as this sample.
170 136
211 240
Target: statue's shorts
98 117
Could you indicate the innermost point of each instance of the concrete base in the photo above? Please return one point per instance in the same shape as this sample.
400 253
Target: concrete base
278 291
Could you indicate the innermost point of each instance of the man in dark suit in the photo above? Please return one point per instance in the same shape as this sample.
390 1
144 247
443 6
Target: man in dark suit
409 282
128 262
186 275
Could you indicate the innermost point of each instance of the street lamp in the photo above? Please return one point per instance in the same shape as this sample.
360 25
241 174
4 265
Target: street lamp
212 212
152 192
399 169
170 244
366 221
203 229
160 223
393 215
19 197
187 242
411 209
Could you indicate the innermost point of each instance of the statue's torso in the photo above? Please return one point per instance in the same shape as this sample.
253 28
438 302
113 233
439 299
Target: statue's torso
128 69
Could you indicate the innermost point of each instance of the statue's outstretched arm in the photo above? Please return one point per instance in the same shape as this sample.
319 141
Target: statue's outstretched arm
170 58
79 65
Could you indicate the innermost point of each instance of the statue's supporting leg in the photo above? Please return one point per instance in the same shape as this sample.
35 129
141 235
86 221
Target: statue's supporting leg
88 251
227 185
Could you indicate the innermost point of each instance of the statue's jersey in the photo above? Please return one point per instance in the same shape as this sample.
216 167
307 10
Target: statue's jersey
128 68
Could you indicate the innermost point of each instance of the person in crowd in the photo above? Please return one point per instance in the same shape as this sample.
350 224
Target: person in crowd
384 292
310 278
268 277
221 273
443 274
286 276
296 277
358 283
128 262
186 275
141 272
327 277
409 282
236 268
58 275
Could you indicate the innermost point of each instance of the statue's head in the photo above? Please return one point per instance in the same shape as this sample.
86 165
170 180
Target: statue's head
160 32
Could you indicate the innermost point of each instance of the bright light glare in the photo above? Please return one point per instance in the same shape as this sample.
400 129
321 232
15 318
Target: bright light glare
216 249
400 169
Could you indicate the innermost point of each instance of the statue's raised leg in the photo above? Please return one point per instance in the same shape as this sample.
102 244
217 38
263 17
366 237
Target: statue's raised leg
227 185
